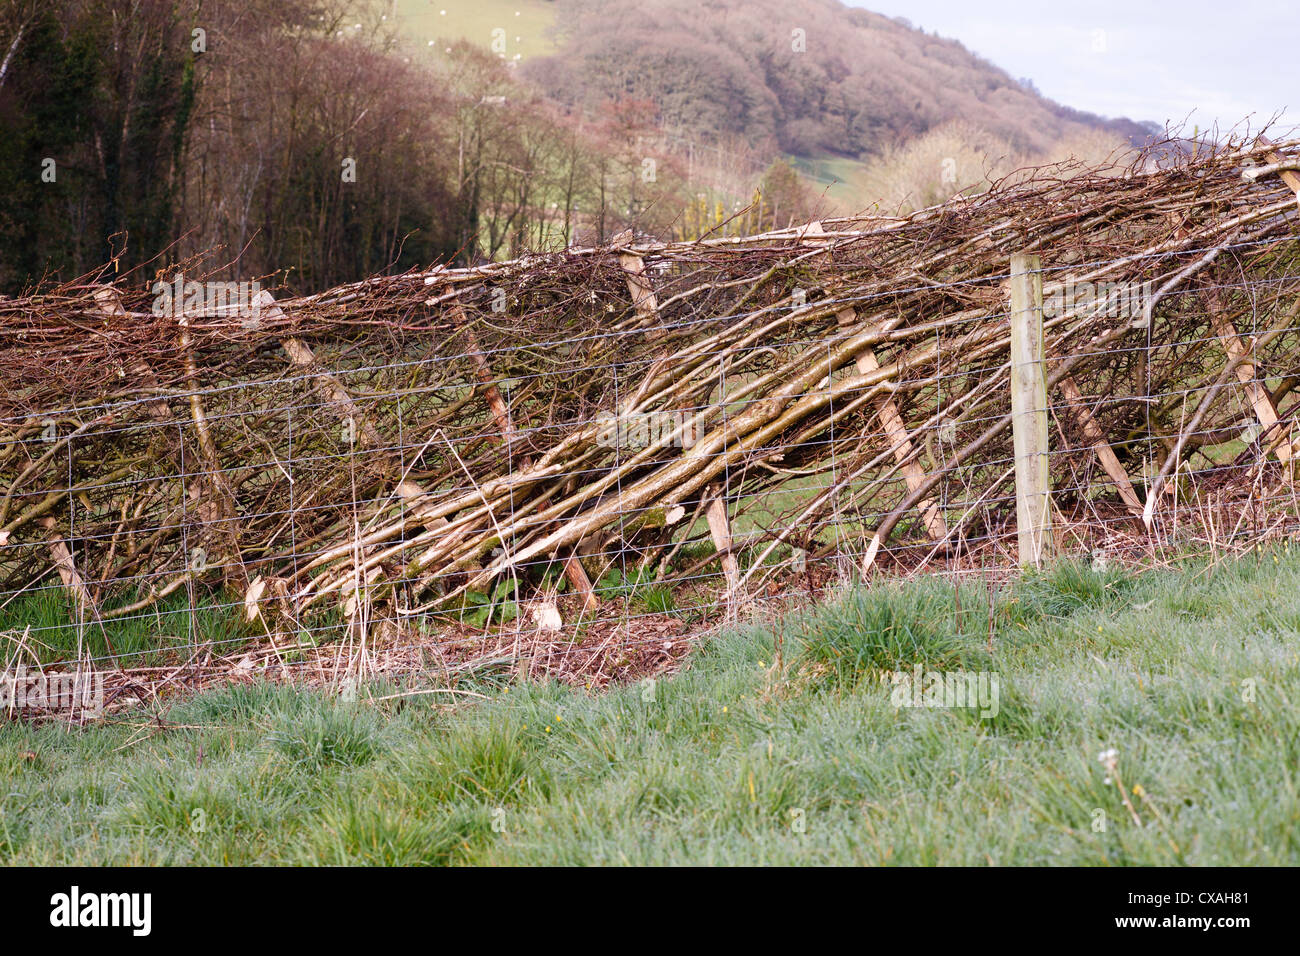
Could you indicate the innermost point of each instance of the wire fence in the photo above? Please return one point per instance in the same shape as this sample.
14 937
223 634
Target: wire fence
572 465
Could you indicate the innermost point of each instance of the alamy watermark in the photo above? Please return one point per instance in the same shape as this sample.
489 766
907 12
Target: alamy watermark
180 297
644 429
75 694
1116 300
73 909
939 689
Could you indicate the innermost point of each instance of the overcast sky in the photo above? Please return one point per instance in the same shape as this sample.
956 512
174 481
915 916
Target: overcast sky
1207 59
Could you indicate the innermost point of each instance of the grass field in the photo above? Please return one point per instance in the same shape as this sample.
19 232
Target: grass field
525 22
777 744
841 180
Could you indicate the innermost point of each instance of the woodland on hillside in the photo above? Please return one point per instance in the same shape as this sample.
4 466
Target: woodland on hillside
309 143
803 77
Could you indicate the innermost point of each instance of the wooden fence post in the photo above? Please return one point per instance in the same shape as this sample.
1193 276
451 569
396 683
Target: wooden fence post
720 531
1029 412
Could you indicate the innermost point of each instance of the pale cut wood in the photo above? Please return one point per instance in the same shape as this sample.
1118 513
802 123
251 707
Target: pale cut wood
110 303
1029 413
644 300
1097 438
646 304
72 580
896 431
807 234
483 372
300 354
720 532
226 524
1289 176
1276 439
578 579
207 507
214 505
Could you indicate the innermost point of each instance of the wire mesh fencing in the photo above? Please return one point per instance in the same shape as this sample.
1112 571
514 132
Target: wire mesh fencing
572 464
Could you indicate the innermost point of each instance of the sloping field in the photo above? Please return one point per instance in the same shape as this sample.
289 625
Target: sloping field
524 23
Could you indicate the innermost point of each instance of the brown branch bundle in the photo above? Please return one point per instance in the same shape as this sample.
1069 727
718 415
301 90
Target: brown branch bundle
409 439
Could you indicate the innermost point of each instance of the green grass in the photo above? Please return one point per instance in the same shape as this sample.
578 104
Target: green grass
841 180
778 744
526 22
43 621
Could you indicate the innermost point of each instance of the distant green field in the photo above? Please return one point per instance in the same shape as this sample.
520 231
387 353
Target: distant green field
841 180
525 22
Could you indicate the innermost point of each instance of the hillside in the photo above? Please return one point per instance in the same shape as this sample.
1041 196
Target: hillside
675 121
528 24
853 84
